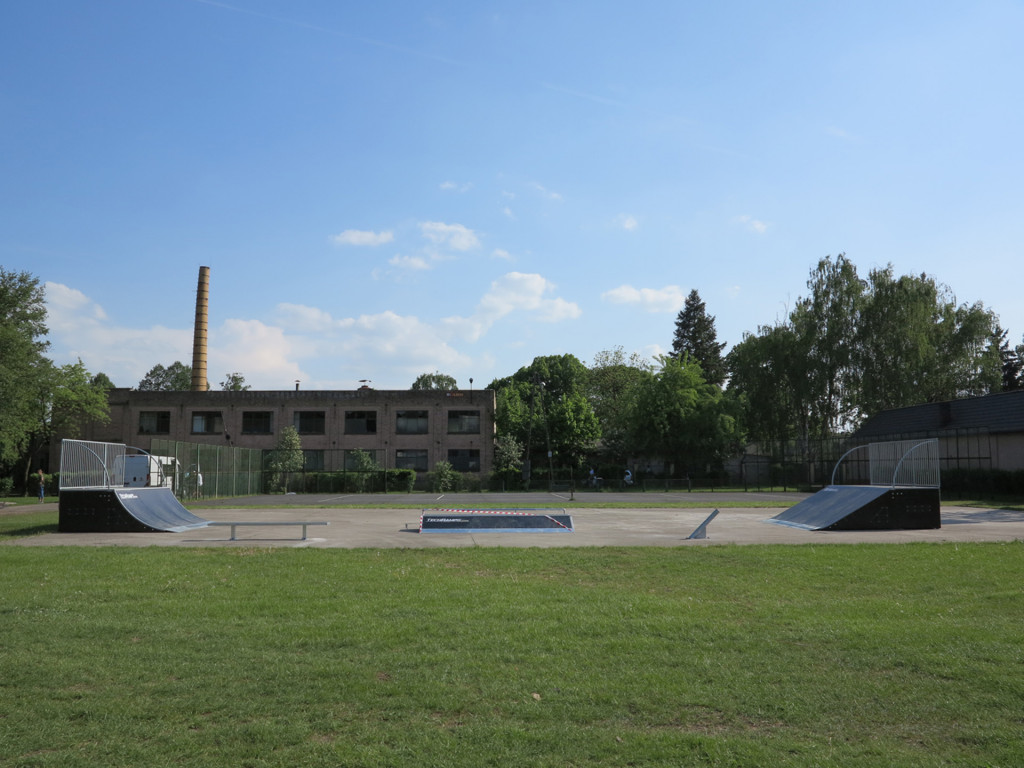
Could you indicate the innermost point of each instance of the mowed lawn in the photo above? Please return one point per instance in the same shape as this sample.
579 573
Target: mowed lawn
868 655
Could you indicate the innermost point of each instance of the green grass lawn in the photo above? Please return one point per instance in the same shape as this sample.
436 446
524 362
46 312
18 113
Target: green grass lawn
855 655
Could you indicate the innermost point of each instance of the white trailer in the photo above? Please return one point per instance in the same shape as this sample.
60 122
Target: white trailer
141 471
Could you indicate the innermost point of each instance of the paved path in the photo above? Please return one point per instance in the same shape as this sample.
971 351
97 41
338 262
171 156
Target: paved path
380 528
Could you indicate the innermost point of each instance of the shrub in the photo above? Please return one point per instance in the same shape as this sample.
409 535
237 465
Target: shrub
444 478
401 480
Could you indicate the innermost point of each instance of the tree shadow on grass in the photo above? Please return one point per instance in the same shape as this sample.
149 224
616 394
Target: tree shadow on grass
28 530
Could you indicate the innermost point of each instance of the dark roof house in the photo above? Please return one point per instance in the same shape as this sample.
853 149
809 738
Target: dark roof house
988 431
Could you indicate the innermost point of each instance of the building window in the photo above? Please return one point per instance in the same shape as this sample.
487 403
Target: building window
411 422
463 422
207 423
464 459
154 422
417 460
257 422
312 461
310 422
360 422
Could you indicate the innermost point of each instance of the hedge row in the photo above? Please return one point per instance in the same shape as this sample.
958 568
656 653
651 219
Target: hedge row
983 482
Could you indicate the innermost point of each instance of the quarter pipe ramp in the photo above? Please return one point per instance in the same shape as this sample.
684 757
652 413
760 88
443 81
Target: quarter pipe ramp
124 510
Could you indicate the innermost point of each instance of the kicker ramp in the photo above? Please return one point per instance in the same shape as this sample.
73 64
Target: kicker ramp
865 508
494 521
124 510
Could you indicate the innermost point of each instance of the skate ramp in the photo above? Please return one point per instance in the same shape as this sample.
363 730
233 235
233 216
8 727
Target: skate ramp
864 508
494 521
124 510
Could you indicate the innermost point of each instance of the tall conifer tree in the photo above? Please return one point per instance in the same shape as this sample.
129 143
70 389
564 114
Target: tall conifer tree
697 339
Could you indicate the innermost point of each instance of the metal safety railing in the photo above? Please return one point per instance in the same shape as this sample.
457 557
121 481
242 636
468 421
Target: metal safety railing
89 464
912 463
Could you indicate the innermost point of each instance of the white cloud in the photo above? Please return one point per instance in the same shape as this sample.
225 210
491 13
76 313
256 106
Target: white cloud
80 329
261 353
628 223
366 344
546 192
508 213
515 292
299 318
300 341
454 236
754 225
667 299
840 133
65 303
501 253
362 237
451 186
409 262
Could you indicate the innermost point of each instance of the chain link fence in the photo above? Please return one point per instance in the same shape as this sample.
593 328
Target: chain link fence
206 471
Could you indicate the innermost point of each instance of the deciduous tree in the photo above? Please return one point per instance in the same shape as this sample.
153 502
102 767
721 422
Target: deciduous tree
286 457
544 406
684 418
435 380
233 382
613 386
175 377
23 366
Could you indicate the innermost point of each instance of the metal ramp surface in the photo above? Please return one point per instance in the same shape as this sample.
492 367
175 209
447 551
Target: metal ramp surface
124 510
495 521
864 508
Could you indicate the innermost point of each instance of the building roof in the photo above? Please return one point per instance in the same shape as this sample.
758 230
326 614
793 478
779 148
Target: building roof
1001 412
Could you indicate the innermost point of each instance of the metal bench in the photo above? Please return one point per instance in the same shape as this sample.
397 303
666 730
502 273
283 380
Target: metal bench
250 523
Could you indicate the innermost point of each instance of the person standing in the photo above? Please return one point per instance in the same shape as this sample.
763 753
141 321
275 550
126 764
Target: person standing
42 485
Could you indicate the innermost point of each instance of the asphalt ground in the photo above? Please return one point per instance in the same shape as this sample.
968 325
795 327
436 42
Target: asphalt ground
392 521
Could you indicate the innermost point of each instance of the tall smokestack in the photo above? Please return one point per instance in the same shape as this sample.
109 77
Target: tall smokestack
199 383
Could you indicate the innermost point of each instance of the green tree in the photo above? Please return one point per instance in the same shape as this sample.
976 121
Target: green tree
102 381
23 368
544 406
286 457
684 418
855 347
916 344
826 324
508 455
444 477
696 337
364 468
613 385
1012 359
67 398
435 380
767 377
233 382
175 377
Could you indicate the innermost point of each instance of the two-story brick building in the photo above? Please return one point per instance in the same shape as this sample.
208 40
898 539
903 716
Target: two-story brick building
412 429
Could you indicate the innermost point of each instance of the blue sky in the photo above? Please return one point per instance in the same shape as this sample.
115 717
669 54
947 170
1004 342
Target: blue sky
387 189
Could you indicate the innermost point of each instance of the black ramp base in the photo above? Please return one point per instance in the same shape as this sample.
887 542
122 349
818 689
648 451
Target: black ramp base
494 521
124 510
865 508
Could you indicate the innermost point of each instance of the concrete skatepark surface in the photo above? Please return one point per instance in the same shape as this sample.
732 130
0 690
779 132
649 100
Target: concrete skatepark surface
392 521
